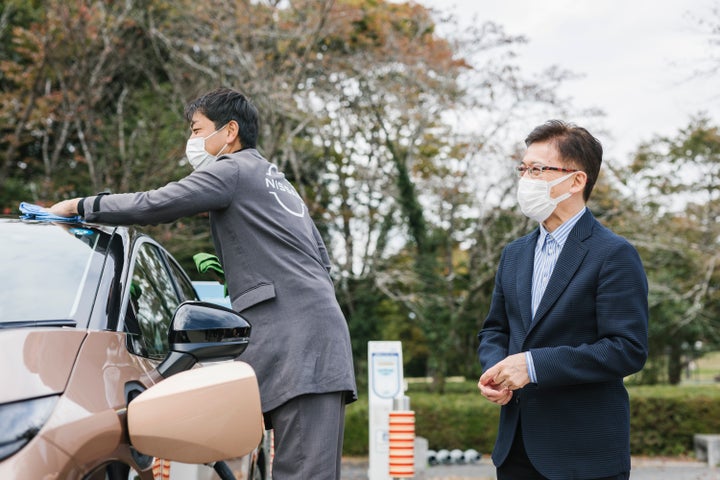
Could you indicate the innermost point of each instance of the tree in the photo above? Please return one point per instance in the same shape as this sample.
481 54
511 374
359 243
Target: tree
81 86
77 98
681 176
446 197
354 95
395 135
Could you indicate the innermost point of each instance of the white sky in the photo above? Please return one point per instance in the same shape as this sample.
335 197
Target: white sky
637 58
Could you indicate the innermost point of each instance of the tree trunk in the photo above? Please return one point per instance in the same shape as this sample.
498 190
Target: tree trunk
675 364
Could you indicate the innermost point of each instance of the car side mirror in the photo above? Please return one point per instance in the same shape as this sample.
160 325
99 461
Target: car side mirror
202 415
203 331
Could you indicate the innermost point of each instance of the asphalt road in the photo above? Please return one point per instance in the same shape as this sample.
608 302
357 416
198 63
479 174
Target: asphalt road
642 469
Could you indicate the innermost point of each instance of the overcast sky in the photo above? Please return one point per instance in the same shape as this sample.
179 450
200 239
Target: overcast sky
636 58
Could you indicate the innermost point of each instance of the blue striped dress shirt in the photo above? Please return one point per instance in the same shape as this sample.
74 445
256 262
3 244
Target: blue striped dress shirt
547 250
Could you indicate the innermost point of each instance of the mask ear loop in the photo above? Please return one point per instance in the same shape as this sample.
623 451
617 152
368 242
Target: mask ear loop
216 131
560 180
554 183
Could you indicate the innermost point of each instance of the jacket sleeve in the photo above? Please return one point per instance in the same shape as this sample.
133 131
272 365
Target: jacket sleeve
494 336
210 188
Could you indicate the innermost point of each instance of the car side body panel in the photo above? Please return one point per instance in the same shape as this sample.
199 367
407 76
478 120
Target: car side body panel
84 425
39 459
90 425
47 358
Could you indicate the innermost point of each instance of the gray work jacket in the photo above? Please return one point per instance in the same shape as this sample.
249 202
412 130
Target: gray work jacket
276 268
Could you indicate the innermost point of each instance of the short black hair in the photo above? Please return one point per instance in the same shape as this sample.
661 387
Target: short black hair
224 104
577 148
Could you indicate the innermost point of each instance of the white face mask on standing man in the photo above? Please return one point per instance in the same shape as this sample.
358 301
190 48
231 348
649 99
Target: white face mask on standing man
534 197
196 153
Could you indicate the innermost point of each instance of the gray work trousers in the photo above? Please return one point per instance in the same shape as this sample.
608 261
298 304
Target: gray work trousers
308 436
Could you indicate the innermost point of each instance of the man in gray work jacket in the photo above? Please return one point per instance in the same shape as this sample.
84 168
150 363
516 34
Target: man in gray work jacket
277 274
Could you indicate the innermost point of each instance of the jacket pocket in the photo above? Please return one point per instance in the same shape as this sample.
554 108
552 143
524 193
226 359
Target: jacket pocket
253 296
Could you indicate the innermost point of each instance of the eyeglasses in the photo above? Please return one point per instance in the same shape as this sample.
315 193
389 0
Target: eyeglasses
537 170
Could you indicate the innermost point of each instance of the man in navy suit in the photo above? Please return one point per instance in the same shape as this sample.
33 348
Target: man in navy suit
568 321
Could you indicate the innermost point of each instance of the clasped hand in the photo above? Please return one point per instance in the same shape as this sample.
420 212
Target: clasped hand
498 382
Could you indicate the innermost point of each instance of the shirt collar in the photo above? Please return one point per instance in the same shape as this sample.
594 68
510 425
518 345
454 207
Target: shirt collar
561 233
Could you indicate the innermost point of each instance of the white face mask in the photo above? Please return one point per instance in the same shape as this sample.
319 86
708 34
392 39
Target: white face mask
534 197
196 153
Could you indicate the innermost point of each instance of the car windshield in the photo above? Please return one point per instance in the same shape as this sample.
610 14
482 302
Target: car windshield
46 267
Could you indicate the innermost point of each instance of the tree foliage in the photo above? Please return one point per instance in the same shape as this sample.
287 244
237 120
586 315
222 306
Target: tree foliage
400 138
680 180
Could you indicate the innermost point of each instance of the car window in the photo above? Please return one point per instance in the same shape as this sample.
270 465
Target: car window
153 301
186 288
50 272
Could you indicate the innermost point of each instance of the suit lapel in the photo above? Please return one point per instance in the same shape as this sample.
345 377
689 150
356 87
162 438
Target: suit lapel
524 278
570 259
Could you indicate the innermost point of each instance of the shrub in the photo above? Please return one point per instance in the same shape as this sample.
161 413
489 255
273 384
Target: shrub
663 419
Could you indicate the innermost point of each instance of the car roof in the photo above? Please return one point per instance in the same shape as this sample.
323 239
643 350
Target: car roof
11 219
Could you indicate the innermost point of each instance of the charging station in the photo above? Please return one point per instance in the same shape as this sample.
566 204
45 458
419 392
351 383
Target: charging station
385 371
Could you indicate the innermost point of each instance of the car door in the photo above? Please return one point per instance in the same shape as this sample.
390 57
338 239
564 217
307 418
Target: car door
157 286
152 294
118 362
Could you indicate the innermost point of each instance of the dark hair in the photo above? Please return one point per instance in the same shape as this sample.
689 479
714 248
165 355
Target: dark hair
577 148
224 104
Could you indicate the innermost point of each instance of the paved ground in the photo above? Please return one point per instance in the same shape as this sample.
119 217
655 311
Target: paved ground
642 469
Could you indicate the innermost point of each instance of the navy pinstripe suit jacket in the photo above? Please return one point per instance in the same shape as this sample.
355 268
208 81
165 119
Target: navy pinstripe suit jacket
589 332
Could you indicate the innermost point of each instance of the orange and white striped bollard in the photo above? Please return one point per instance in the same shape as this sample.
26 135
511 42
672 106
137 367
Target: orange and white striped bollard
401 436
161 469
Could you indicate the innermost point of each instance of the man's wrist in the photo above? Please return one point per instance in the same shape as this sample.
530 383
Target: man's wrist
80 207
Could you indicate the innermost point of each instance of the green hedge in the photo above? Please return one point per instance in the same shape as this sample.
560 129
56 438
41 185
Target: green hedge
663 419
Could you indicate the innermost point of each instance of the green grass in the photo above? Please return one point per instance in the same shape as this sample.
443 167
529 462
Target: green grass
676 392
708 369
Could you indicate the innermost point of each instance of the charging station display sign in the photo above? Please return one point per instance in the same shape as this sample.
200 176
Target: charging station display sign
385 383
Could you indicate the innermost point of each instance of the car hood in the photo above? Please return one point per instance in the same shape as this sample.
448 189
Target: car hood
36 361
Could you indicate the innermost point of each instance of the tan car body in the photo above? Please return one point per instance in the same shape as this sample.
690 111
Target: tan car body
89 422
112 368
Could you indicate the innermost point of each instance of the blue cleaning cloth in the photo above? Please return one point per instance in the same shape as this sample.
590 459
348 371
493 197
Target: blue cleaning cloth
30 211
